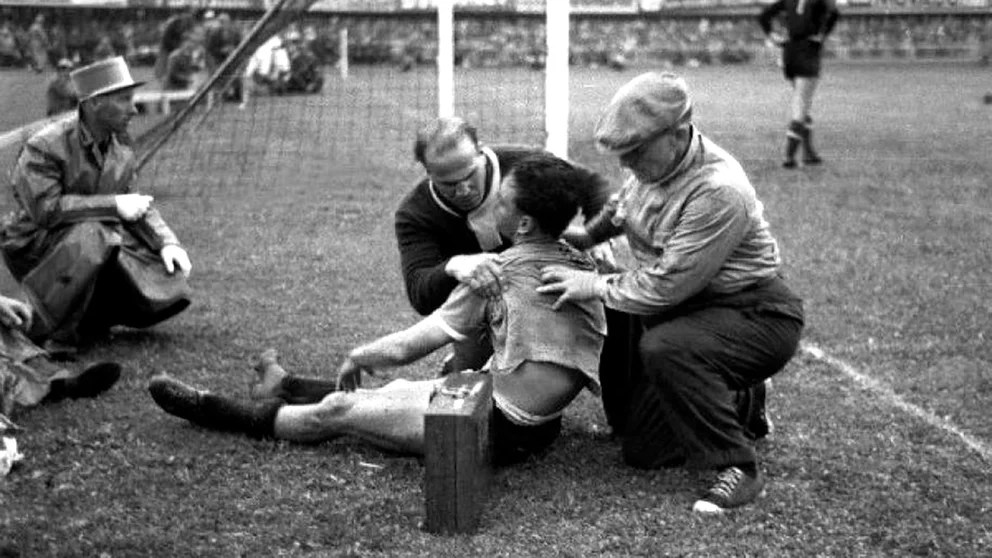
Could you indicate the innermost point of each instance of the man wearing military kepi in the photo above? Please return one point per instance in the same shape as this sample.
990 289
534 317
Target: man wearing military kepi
88 249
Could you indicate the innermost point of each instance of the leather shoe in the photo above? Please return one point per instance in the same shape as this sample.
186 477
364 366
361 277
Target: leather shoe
177 398
95 380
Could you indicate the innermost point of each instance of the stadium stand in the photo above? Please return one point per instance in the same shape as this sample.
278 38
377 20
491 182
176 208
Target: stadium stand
392 51
488 34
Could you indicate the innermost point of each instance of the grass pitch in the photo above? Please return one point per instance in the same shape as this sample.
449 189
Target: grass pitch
888 243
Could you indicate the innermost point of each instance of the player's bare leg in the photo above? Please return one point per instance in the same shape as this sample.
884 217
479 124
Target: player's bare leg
272 380
802 97
805 88
799 133
793 134
391 417
268 376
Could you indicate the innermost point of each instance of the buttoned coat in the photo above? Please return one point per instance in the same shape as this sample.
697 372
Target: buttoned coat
66 230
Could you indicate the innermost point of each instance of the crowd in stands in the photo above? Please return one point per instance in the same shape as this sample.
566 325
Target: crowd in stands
501 41
914 37
510 41
82 36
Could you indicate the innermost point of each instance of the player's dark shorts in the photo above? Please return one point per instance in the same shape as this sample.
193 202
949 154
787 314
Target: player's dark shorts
513 442
801 59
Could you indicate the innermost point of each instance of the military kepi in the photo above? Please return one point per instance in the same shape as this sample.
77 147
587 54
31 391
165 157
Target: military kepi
100 78
641 110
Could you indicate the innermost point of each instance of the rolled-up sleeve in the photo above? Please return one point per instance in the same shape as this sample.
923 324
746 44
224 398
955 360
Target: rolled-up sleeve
462 314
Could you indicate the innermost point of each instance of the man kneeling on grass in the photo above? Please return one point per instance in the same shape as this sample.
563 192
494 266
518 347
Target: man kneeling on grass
542 358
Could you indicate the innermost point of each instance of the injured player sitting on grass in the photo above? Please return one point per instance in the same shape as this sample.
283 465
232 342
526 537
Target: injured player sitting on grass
542 358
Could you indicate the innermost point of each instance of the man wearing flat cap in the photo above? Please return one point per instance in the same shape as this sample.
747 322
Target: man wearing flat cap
88 250
716 317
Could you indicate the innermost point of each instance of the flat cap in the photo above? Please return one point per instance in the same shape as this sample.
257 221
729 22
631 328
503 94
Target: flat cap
643 108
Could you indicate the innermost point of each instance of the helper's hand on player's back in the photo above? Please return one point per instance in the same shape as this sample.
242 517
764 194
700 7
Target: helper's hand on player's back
572 284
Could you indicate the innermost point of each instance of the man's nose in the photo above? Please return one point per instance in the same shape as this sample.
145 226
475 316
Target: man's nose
464 188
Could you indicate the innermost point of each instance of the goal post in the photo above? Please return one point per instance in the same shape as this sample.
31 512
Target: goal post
556 90
445 58
556 73
343 50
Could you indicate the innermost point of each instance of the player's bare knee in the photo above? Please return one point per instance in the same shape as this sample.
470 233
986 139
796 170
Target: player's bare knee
319 421
337 403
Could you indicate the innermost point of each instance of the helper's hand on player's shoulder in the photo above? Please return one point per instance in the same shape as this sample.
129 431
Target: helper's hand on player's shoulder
14 313
173 256
131 207
481 272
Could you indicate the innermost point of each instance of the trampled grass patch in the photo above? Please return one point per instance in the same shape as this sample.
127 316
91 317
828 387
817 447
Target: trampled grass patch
888 243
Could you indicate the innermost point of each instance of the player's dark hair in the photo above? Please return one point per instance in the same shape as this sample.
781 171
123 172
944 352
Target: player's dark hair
442 134
547 190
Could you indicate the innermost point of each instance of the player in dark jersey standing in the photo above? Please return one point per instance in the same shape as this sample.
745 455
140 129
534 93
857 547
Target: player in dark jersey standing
807 24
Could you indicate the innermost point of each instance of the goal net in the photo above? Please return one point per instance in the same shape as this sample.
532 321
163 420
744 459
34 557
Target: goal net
380 83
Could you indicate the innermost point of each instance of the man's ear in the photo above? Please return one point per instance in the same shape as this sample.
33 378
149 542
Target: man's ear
526 224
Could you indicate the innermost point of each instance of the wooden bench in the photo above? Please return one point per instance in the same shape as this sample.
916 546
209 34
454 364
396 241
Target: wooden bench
458 453
162 101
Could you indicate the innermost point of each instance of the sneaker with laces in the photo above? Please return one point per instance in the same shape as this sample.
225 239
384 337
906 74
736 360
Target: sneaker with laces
733 488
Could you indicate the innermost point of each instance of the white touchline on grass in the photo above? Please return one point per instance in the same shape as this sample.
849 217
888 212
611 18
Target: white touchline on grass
890 396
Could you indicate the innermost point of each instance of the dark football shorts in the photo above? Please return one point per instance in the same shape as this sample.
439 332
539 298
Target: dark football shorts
513 442
801 59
